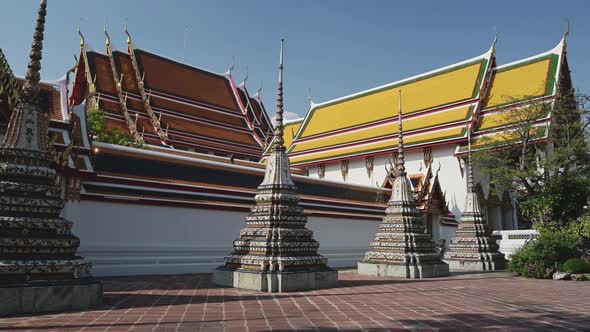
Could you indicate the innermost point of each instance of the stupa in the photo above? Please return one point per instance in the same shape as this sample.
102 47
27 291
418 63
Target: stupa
39 268
275 251
473 248
401 247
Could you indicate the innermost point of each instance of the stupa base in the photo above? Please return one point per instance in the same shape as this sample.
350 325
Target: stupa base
276 282
44 297
472 265
403 271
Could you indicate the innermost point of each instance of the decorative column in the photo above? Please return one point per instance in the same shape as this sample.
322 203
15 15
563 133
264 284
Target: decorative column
275 252
39 268
401 248
473 248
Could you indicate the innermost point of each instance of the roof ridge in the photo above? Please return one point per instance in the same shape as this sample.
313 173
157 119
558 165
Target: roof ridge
181 62
558 49
407 79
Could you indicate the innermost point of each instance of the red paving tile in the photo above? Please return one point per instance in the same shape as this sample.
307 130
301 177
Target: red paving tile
493 301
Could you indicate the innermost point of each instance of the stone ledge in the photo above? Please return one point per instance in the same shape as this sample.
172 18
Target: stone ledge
50 297
274 282
473 265
403 271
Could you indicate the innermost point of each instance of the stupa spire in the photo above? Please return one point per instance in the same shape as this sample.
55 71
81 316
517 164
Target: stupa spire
471 180
473 248
401 167
279 141
33 73
38 252
401 247
23 128
275 251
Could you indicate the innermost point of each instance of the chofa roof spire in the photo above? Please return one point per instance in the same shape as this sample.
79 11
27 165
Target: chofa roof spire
494 43
33 73
566 34
279 141
108 41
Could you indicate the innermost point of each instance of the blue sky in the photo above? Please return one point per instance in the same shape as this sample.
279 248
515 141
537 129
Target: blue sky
333 48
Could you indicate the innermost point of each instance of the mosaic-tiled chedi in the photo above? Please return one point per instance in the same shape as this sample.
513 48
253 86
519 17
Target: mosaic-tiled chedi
36 244
275 252
473 248
401 247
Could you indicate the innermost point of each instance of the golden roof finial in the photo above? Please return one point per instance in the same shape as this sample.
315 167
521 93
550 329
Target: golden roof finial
311 102
245 78
82 40
108 41
129 40
495 42
233 65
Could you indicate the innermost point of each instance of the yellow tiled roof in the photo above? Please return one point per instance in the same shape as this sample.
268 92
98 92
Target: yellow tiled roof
529 83
435 106
291 129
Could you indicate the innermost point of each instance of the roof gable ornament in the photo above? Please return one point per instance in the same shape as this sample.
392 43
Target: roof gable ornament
494 43
82 39
312 104
129 39
232 67
243 84
108 41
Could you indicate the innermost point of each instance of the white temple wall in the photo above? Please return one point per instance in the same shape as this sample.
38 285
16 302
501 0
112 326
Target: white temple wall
133 239
357 172
452 178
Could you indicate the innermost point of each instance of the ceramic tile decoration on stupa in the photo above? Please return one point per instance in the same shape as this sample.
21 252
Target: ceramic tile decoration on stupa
473 248
39 268
401 247
275 251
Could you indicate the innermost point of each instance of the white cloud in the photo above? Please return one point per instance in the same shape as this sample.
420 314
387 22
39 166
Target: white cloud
286 116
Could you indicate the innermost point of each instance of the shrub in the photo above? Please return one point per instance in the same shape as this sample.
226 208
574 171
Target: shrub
550 250
98 128
575 265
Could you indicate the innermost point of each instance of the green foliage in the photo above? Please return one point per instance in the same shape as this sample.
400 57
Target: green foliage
97 127
551 249
579 228
575 265
560 200
550 177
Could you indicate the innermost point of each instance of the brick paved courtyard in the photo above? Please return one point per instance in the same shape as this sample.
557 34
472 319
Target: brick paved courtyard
468 302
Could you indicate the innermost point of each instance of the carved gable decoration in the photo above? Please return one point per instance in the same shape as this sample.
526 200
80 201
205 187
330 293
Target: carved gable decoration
321 170
369 164
344 169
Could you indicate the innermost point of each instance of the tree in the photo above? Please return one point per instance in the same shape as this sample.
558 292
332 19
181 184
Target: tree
552 175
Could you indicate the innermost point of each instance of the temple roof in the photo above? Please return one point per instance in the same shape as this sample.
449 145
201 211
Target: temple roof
156 177
531 82
291 127
435 107
172 103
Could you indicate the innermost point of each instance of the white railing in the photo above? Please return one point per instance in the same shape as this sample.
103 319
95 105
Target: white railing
510 241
